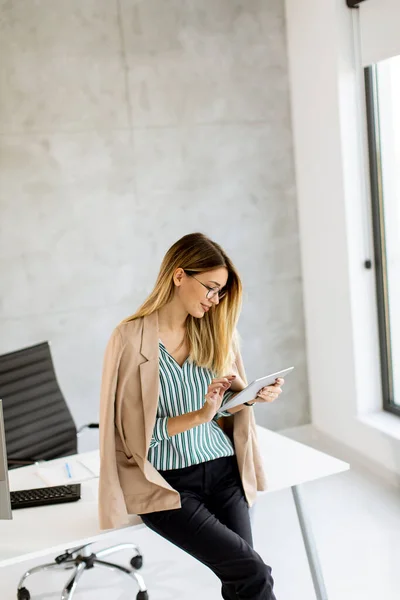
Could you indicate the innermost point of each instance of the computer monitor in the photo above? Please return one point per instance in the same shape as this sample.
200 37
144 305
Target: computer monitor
5 503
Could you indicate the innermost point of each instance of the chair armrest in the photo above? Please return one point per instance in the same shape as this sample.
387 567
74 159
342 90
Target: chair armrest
87 426
16 462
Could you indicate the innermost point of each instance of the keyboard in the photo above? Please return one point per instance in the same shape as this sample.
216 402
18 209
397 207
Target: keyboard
47 495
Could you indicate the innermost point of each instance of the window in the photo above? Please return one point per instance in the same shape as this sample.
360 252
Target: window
383 112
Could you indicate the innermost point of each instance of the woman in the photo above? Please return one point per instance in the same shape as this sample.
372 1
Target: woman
169 452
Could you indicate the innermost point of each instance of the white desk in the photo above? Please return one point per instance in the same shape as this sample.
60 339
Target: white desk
38 531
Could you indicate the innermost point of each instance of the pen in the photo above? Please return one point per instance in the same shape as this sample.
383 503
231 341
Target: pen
68 470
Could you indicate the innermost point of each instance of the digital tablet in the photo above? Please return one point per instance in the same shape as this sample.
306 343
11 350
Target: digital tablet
251 391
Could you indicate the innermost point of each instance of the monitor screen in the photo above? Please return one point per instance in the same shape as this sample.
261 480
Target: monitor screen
5 504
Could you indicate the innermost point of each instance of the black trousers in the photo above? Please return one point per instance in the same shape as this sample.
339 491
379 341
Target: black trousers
213 525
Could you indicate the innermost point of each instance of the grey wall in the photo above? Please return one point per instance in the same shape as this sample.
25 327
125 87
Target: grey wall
123 126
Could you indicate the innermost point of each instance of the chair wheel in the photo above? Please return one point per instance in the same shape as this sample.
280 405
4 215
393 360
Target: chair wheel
137 562
23 594
142 596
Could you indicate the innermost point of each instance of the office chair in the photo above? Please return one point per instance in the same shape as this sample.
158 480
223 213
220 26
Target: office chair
39 426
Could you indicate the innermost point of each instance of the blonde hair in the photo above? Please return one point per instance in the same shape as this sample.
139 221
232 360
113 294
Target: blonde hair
212 339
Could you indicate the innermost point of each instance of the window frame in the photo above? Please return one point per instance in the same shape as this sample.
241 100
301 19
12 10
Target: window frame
379 238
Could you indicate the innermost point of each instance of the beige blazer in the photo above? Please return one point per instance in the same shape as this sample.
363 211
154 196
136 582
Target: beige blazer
129 484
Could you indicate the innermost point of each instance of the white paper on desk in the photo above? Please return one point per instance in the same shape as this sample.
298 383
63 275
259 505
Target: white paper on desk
56 474
91 462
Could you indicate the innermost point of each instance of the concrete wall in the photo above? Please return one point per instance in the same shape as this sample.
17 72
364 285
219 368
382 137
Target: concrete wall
123 126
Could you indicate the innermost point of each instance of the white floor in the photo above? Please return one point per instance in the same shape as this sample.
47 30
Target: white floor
356 522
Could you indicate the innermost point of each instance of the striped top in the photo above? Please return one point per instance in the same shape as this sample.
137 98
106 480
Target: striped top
182 390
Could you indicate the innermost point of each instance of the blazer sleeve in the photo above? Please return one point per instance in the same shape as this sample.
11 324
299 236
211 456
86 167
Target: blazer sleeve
112 508
258 462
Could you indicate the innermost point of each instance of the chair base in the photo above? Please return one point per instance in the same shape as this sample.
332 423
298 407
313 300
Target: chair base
79 560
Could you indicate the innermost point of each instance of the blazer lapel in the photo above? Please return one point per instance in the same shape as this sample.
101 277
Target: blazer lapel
149 374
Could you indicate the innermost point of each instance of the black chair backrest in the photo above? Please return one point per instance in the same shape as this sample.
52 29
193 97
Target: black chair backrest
38 423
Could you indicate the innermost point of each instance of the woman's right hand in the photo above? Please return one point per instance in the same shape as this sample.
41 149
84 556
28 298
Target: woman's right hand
214 396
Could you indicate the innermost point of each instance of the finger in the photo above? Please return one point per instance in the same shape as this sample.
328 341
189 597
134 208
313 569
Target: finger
218 386
272 391
269 388
272 388
220 382
213 395
270 395
223 380
279 381
217 391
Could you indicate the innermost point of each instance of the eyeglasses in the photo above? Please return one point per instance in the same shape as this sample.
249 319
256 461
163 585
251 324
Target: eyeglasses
212 291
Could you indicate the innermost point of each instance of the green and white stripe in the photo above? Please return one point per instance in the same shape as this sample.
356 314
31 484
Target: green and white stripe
182 390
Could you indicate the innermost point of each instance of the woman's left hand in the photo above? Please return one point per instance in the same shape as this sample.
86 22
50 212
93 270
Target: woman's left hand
270 392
